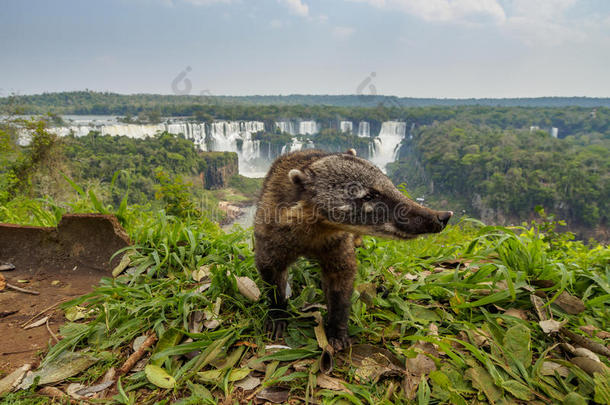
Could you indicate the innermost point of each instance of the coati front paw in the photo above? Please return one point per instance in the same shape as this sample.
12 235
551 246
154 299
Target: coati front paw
338 338
275 326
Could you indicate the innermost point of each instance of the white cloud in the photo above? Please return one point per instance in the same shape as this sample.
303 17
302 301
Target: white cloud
342 33
445 10
544 22
296 7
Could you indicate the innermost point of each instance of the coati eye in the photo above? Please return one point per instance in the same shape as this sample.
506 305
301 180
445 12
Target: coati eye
371 195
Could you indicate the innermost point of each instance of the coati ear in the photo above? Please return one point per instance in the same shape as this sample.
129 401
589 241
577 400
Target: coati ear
351 151
297 177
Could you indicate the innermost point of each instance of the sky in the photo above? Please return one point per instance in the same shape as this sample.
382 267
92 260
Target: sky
406 48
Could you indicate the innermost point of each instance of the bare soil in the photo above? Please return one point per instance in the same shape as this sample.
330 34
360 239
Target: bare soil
60 264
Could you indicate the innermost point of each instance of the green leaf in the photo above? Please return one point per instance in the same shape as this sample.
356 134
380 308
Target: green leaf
517 344
483 381
159 377
574 399
169 339
602 387
518 390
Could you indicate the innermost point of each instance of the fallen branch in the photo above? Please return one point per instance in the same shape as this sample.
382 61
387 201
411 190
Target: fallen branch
586 343
23 290
137 355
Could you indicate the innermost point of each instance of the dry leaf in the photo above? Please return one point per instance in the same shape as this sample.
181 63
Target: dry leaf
39 322
13 379
275 395
582 352
331 383
249 383
588 365
517 313
248 288
551 326
541 310
202 273
570 304
7 266
550 368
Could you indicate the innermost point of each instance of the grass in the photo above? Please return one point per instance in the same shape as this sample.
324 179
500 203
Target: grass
438 304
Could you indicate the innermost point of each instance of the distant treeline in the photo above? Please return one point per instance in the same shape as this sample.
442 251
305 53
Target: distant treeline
90 102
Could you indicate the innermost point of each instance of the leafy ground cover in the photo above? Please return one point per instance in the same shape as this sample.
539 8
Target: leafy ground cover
476 314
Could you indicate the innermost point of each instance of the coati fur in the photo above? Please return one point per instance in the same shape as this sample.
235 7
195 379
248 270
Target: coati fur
316 204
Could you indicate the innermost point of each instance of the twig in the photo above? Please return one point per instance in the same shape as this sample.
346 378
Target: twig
51 332
42 312
137 355
23 290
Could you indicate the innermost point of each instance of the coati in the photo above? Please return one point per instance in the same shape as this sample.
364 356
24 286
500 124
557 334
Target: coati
314 204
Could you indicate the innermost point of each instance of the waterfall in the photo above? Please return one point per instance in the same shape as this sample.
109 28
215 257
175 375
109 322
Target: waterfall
346 126
308 128
298 127
364 129
386 144
287 127
225 136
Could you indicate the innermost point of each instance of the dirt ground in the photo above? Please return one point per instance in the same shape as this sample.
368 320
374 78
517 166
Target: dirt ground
19 346
60 264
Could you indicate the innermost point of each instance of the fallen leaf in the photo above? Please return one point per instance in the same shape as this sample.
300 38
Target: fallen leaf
582 352
551 326
7 267
214 376
137 342
13 379
331 383
196 321
483 381
588 365
65 365
570 304
39 322
541 310
517 313
125 261
75 313
159 377
89 391
550 368
2 282
201 273
248 288
55 282
249 383
275 395
517 344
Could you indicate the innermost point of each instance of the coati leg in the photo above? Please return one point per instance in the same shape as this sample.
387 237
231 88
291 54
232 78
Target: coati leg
273 268
338 274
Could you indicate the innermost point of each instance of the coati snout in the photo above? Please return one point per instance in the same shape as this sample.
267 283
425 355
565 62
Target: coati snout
313 204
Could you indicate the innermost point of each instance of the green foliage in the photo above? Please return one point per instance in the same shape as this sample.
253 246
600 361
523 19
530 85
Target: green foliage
508 173
175 195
